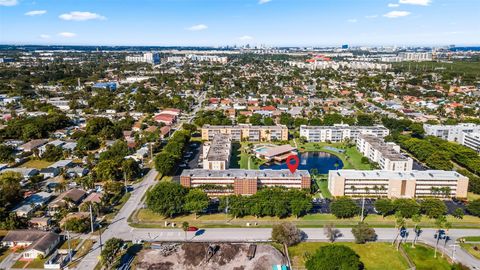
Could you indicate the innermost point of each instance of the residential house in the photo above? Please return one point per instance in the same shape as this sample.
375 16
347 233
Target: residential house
32 145
37 243
31 203
68 198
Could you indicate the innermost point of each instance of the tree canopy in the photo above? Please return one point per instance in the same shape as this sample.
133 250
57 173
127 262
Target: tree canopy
334 257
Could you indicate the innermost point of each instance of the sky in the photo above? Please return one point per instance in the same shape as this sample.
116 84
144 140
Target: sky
240 22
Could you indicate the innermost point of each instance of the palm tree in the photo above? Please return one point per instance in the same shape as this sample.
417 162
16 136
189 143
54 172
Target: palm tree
383 189
353 190
367 191
447 226
61 187
399 224
185 226
375 188
416 218
439 224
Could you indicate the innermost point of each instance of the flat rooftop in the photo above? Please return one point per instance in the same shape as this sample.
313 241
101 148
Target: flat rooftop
219 148
407 175
384 148
240 173
244 126
344 127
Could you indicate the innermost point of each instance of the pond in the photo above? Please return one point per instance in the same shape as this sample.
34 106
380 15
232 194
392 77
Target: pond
321 161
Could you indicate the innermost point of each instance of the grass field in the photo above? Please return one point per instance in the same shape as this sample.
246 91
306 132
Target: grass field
323 188
36 163
20 264
4 252
422 257
472 196
472 238
81 251
373 255
73 244
470 68
148 219
470 248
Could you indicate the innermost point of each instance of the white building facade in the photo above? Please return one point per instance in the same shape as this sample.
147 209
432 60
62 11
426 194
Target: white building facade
338 133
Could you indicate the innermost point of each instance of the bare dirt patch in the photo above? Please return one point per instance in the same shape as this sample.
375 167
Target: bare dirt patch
189 256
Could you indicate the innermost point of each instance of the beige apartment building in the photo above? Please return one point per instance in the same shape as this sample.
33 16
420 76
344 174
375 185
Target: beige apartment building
217 152
247 132
391 184
243 182
386 154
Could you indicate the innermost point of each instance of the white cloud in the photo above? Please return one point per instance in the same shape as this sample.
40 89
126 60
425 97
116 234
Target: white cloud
8 3
396 14
67 34
392 5
198 27
35 12
352 20
44 36
416 2
245 38
81 16
371 16
261 2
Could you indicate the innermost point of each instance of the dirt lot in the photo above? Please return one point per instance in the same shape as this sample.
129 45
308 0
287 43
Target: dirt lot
195 256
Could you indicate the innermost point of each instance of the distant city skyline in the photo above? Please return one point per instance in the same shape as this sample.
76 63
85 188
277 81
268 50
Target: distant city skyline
240 22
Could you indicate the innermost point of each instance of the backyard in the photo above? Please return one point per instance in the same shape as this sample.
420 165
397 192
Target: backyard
36 163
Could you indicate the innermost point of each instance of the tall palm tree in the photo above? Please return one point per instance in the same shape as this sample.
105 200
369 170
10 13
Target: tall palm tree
439 224
185 226
399 224
375 188
416 218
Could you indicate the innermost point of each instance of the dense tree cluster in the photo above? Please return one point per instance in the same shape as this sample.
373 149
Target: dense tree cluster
474 208
211 118
279 202
407 208
34 127
171 154
78 225
170 199
344 207
110 249
334 257
9 195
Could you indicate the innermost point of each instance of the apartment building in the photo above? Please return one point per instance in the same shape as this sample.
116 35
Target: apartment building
243 182
247 132
217 152
408 184
452 133
149 57
340 132
472 140
386 154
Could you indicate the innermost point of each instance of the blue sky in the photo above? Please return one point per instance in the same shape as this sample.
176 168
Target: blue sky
230 22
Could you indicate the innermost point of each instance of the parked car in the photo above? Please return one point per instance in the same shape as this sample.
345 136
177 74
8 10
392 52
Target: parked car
192 229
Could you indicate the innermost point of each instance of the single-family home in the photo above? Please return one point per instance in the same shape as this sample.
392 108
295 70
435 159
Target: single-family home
31 203
68 198
36 243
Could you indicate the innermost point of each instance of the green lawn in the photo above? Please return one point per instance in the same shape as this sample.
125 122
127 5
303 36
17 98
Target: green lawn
73 244
81 251
37 263
472 238
470 249
146 218
422 257
20 264
472 196
36 163
375 256
4 252
323 188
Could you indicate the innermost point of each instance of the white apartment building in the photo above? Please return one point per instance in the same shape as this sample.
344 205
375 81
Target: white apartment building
149 57
386 154
452 133
408 184
217 152
208 58
416 56
472 140
340 132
